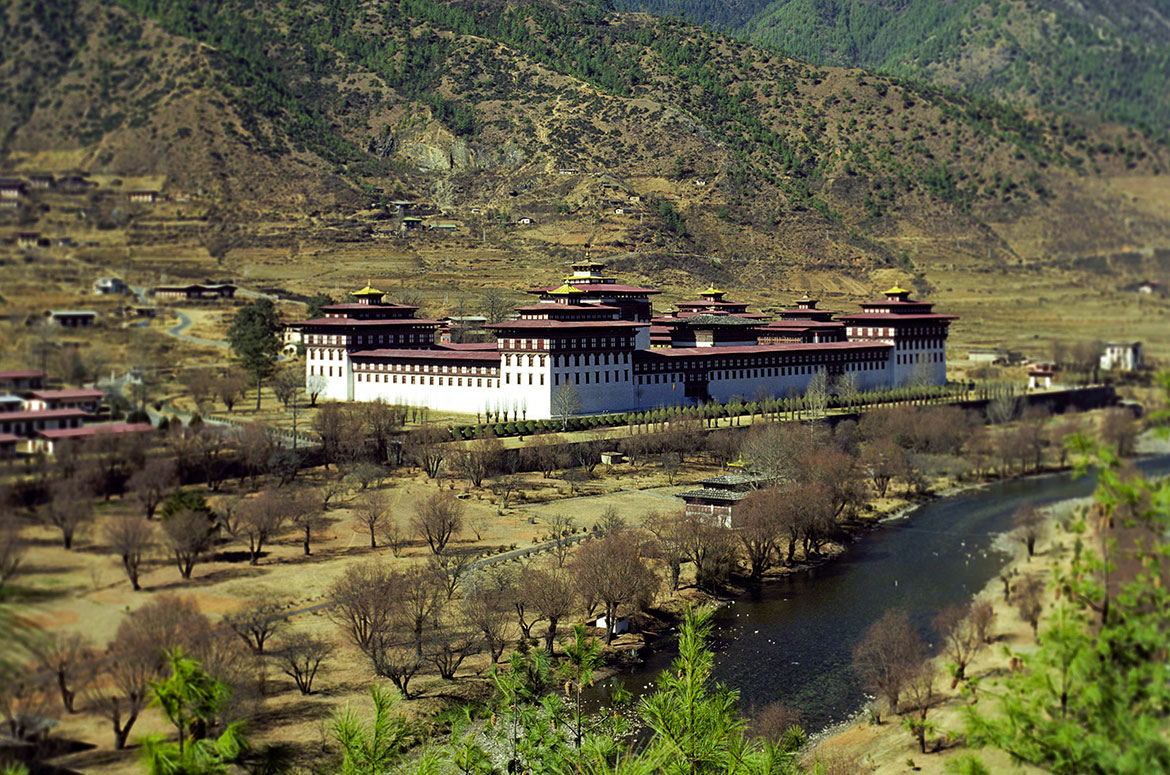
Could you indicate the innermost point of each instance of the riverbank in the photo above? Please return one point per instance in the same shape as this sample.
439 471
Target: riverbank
887 748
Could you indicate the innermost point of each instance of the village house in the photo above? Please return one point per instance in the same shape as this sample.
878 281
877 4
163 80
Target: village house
142 197
194 292
27 422
41 180
1121 356
21 380
72 318
110 286
716 499
12 189
86 399
48 441
8 444
1040 378
28 239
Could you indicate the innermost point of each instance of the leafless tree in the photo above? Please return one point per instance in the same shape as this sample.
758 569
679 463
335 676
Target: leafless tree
506 486
1119 430
254 448
287 383
153 482
888 656
982 618
816 394
300 656
551 594
920 697
230 387
395 534
256 520
613 571
13 548
478 459
200 384
758 529
426 448
1003 409
315 385
960 638
884 461
257 622
131 539
187 535
450 568
487 605
69 658
421 599
305 517
449 643
565 402
1028 525
438 519
1028 597
545 452
710 547
670 542
363 605
773 721
69 507
477 522
373 511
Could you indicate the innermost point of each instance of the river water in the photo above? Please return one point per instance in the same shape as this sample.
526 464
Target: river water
792 642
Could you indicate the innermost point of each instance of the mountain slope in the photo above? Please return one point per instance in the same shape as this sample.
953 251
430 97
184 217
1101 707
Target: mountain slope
734 157
1108 57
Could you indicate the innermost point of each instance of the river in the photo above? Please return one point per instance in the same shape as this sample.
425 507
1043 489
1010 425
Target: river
792 642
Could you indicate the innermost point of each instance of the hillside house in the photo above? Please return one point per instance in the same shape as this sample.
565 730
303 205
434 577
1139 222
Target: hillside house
143 197
85 399
15 381
107 286
8 443
28 422
28 239
49 440
445 228
195 292
41 180
72 318
11 403
12 189
525 221
1122 356
1040 378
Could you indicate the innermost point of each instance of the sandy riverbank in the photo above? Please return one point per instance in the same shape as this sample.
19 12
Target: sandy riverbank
886 749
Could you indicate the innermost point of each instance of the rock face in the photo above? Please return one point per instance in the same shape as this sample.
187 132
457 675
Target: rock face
433 148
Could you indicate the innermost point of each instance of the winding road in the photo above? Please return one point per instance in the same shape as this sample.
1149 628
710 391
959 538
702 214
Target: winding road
183 324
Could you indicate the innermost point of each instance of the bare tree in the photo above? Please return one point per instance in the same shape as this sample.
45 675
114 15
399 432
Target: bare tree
479 459
450 568
920 697
670 542
254 448
613 571
816 393
315 385
450 642
1119 430
130 538
304 516
188 537
545 452
982 618
884 461
395 534
759 530
550 593
373 511
287 383
69 658
300 656
13 548
1028 525
200 384
888 655
230 387
426 448
69 507
710 547
257 520
565 402
363 606
960 637
486 604
153 482
257 622
421 597
437 519
506 486
1028 597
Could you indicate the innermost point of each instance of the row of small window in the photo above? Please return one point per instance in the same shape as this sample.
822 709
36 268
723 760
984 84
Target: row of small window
909 358
779 371
753 361
596 359
395 338
920 344
392 379
590 378
427 368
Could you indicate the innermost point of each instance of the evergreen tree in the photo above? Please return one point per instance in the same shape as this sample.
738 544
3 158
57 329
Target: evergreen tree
254 338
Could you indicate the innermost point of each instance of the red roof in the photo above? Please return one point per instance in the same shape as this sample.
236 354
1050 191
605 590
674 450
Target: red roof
356 305
8 438
485 356
93 430
469 346
790 323
594 287
21 374
545 306
42 414
346 322
760 349
566 324
48 395
889 316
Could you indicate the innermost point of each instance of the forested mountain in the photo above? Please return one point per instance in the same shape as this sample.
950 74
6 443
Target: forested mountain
1108 57
261 106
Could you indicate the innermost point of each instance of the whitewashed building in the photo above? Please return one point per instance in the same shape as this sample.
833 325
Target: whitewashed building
1122 356
585 348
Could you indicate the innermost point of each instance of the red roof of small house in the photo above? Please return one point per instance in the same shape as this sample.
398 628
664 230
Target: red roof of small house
545 306
344 305
21 374
43 414
344 322
49 395
8 438
88 431
889 316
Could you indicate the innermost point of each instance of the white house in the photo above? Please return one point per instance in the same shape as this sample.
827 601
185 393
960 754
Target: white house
1122 356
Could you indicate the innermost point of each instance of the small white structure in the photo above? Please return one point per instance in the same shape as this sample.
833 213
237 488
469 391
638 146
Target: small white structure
1122 356
620 627
109 286
1039 379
